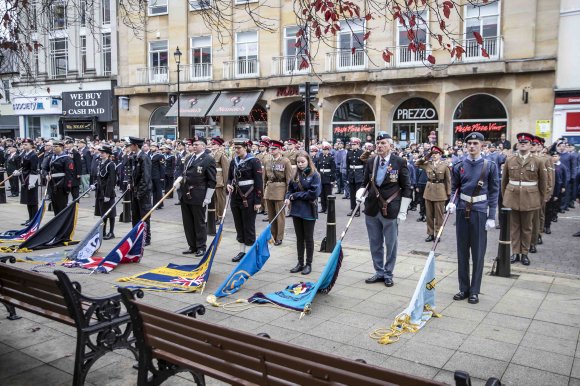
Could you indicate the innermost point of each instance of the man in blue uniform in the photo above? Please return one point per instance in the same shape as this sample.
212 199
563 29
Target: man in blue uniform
477 180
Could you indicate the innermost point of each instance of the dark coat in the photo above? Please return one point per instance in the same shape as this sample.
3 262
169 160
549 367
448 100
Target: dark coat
354 171
141 176
29 167
400 180
13 162
169 165
199 176
61 164
77 167
179 163
324 163
106 178
157 166
249 169
304 201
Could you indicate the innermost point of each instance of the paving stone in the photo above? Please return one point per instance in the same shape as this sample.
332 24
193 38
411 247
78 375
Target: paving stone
13 363
542 360
66 364
574 382
433 337
30 336
433 356
563 318
357 320
488 348
410 367
5 348
463 313
549 343
367 343
121 373
576 368
452 324
477 366
448 378
517 375
317 343
242 324
49 375
510 321
52 350
336 331
554 329
293 322
369 356
497 333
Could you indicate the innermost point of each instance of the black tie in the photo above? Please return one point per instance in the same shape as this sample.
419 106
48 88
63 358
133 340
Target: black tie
383 163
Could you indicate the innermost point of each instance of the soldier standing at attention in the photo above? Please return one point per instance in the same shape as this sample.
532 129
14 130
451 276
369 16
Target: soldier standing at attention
197 189
326 166
291 153
477 180
245 183
140 185
262 154
105 191
524 186
277 174
437 190
179 165
13 162
355 172
169 168
77 163
222 165
157 173
538 220
29 178
60 179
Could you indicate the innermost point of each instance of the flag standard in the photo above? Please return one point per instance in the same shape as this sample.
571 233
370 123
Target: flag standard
28 231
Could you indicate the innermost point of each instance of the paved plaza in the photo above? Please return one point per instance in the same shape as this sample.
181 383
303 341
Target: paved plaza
525 330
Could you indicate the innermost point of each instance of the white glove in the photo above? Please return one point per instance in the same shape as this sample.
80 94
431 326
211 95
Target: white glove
402 216
177 184
489 224
32 179
93 187
360 195
16 173
451 208
106 199
208 196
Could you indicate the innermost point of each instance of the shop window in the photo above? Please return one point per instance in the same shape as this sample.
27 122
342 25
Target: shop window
162 126
254 125
157 7
353 118
415 121
482 113
34 129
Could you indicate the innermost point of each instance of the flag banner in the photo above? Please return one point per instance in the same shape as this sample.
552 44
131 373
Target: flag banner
177 278
299 296
54 257
419 311
251 263
57 232
129 250
28 231
89 245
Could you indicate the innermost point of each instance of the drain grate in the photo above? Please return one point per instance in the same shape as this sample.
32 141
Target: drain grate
423 253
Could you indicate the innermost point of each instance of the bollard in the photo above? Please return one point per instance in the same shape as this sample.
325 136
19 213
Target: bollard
211 217
2 188
331 224
125 216
503 265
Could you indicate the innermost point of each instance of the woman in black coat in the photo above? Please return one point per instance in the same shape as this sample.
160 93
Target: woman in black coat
302 196
105 190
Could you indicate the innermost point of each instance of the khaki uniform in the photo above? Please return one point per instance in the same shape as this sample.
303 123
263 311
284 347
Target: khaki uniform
524 186
291 155
540 216
278 174
262 157
437 191
222 164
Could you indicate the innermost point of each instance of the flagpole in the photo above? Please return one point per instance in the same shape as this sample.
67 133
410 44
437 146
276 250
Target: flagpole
114 205
225 208
80 195
10 176
438 238
177 181
358 204
278 214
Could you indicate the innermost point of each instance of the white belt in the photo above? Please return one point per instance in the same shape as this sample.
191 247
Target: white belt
246 183
325 170
524 183
475 199
218 169
293 166
57 175
357 166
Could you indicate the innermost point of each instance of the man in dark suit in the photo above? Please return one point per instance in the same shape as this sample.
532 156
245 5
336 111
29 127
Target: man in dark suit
169 168
77 168
157 173
29 178
13 162
86 160
389 194
60 178
197 187
179 164
504 142
140 185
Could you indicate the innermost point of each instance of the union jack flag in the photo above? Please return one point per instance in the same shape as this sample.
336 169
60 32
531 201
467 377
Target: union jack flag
24 234
188 282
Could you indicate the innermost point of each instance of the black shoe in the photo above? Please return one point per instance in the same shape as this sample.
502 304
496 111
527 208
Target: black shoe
374 279
349 213
147 243
420 219
562 211
357 214
515 258
473 299
532 249
548 231
159 208
299 267
307 269
525 260
265 219
571 205
200 252
109 236
429 238
540 241
577 234
424 219
345 198
555 219
278 242
460 296
413 209
322 211
238 257
389 282
188 251
177 203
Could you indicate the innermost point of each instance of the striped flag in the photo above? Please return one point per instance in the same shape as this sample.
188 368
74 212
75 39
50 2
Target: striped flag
29 230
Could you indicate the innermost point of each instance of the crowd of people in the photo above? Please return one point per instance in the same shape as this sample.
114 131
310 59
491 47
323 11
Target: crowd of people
285 179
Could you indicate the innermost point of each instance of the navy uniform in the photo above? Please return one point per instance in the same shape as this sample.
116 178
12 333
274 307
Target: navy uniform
354 173
558 191
169 169
475 215
197 189
105 191
246 183
157 174
389 196
13 162
222 165
29 180
140 186
61 178
77 164
326 166
179 166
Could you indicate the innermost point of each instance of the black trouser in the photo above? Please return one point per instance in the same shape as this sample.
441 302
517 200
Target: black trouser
168 184
59 201
353 187
139 208
32 209
101 207
245 221
304 238
157 191
75 191
552 208
194 225
14 185
326 191
421 200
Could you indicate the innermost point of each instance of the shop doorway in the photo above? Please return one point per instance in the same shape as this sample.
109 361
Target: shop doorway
254 125
483 113
162 126
293 120
414 121
353 118
206 127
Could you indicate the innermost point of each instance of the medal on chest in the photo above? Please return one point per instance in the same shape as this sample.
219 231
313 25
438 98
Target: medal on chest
393 174
199 169
279 167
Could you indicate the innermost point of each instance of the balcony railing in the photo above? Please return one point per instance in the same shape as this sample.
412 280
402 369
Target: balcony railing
245 68
289 65
346 60
196 72
152 75
404 57
473 53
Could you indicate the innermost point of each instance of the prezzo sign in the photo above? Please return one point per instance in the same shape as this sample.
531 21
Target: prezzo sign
88 104
37 106
420 114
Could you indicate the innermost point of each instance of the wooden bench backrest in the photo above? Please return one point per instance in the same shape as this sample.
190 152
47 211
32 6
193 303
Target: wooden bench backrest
242 358
33 292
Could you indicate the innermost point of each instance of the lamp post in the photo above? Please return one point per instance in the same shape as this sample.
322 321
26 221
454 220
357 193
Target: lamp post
177 56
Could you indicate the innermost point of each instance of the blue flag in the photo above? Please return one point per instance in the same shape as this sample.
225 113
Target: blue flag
299 296
29 230
250 264
420 308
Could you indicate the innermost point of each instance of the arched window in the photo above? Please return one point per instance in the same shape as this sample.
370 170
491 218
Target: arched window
162 126
483 113
354 118
415 121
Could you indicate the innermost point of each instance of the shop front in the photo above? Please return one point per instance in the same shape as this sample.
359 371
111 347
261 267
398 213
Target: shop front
161 125
293 121
567 117
40 115
414 121
9 126
87 113
483 113
195 107
353 118
250 120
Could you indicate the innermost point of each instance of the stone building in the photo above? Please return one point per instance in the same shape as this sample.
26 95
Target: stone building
247 83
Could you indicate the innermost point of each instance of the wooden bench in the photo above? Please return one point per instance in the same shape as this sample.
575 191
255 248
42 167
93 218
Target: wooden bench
102 324
169 343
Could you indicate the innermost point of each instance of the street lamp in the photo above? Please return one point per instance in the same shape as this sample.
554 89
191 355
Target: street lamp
177 56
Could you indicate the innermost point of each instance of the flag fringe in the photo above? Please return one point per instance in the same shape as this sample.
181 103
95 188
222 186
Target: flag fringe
401 325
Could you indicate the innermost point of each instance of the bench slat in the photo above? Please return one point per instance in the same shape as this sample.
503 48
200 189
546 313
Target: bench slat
54 295
42 311
35 301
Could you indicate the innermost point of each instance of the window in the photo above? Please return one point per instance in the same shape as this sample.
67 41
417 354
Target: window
32 18
83 13
290 40
483 19
106 54
350 38
58 16
405 55
106 12
247 52
162 126
6 87
83 54
245 1
58 57
33 127
195 5
201 57
158 61
157 7
353 118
